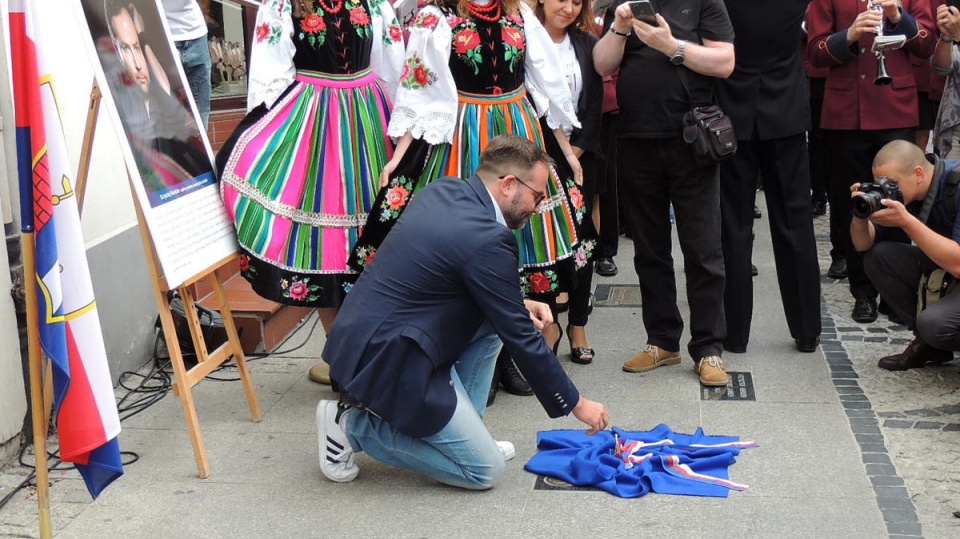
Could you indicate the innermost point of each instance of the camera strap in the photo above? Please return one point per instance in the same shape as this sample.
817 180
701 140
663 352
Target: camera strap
949 194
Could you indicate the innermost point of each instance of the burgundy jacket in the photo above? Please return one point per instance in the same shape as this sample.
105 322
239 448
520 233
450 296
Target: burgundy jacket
851 100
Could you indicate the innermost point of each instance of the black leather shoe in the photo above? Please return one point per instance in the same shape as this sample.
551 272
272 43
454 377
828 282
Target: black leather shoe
917 354
606 267
494 386
838 269
756 212
807 345
864 310
819 208
510 378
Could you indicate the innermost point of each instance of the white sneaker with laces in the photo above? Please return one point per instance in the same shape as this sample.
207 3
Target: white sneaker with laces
507 450
336 455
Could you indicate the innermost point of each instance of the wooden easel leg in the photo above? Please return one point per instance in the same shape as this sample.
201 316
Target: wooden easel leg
181 385
234 337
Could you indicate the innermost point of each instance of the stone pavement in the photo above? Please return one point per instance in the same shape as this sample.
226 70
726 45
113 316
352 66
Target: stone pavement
845 449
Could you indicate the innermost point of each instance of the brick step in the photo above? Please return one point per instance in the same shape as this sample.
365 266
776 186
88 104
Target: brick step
262 324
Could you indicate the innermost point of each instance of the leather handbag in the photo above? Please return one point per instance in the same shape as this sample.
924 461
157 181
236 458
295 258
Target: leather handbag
707 129
710 134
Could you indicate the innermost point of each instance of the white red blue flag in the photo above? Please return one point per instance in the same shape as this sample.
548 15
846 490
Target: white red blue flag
84 404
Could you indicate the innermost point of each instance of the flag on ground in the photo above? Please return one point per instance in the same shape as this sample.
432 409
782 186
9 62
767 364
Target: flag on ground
84 404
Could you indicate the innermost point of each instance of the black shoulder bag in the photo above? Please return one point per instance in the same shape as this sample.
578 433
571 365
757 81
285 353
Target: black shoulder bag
707 129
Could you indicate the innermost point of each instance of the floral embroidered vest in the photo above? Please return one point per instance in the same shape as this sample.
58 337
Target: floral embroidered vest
335 42
487 57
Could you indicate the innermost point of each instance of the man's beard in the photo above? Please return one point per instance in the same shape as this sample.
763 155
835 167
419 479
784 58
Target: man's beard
514 214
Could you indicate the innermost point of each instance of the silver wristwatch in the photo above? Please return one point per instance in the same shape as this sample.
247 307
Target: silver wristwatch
677 58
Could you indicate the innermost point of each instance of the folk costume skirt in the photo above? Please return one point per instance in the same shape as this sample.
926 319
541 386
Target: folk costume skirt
299 181
549 237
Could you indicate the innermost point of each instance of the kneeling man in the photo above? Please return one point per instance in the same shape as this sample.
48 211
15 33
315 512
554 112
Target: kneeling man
415 342
901 170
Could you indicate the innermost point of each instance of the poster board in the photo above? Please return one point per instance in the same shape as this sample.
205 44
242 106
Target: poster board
165 148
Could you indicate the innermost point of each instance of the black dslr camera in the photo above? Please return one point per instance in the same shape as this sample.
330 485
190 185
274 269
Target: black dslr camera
868 201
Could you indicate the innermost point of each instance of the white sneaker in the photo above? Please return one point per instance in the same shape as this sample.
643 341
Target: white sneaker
336 455
507 450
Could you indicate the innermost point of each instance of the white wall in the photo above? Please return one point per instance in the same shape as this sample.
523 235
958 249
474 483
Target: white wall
13 402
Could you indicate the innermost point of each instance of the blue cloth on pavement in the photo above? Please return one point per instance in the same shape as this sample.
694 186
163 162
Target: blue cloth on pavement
630 464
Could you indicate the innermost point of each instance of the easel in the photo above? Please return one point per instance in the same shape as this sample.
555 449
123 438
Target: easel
207 362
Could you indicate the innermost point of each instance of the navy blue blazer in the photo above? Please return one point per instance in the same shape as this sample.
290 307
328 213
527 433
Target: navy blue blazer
445 268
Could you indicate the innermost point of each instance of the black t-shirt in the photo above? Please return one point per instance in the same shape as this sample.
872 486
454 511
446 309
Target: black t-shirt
651 97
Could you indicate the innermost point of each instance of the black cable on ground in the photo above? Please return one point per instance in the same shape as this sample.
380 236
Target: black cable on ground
151 389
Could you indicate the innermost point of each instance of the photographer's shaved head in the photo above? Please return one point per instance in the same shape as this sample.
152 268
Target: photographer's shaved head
903 155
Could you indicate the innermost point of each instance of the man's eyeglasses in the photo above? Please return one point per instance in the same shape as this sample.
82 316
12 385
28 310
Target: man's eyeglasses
539 195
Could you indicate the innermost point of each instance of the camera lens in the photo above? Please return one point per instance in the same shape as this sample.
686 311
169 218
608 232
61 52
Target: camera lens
865 204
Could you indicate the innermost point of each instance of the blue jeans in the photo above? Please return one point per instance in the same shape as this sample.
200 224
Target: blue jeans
195 57
463 453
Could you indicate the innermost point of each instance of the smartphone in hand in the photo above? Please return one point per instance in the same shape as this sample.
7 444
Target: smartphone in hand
643 10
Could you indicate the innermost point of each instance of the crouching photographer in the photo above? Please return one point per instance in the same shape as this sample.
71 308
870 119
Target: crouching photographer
915 279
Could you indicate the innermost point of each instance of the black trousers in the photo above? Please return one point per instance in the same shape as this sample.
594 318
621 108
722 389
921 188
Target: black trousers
853 153
895 269
609 233
653 173
786 186
817 149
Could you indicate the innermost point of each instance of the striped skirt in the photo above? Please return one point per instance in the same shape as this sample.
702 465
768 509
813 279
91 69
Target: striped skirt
549 236
300 180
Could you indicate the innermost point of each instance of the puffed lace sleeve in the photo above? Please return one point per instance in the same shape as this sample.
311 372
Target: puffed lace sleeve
426 104
271 55
386 57
543 79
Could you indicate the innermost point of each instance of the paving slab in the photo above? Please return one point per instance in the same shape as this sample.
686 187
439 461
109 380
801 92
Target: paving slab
845 449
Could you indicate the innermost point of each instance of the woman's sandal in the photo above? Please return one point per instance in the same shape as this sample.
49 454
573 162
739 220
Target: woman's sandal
580 356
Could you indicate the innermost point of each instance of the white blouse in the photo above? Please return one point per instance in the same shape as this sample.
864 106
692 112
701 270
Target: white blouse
271 60
430 112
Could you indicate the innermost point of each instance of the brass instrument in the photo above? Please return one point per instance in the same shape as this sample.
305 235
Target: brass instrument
882 44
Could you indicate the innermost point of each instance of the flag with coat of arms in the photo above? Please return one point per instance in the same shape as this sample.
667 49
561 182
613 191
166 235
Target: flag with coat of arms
85 408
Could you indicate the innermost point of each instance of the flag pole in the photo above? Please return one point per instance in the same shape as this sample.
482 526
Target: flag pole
36 380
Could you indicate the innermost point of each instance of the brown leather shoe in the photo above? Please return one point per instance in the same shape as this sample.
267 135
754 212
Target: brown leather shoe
651 358
917 354
711 372
320 373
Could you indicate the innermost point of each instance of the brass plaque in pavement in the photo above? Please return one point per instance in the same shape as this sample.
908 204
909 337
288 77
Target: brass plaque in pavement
617 295
739 388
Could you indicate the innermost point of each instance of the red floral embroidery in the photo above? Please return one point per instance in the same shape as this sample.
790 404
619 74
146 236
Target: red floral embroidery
576 197
299 290
429 21
366 261
513 37
396 34
244 263
515 18
466 40
263 32
454 20
397 196
359 17
420 75
539 283
313 24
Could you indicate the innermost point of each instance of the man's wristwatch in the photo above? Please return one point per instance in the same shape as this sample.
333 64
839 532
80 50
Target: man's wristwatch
677 58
